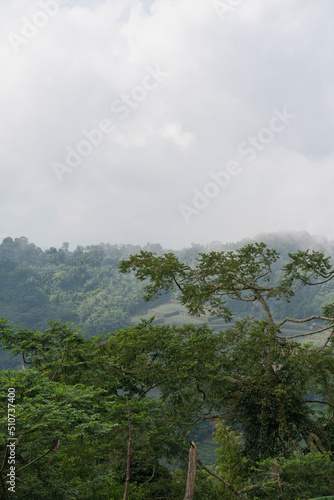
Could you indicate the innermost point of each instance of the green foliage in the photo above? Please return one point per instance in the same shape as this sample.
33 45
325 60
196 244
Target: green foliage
48 413
298 477
206 486
72 422
78 397
261 378
231 463
269 403
82 286
217 275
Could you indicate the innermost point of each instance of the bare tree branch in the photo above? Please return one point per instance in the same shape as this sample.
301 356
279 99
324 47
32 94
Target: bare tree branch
238 494
61 362
177 284
307 334
148 480
38 458
56 451
208 417
264 305
250 488
327 342
305 320
235 381
148 389
249 299
317 401
318 282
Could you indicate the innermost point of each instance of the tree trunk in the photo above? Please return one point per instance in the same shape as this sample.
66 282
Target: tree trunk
190 489
314 444
127 482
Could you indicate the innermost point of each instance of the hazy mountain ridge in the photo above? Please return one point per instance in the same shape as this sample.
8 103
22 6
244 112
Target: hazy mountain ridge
85 287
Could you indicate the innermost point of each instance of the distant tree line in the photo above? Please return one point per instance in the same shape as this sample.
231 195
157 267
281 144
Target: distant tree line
85 287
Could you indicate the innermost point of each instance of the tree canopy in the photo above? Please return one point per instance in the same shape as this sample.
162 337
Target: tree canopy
116 414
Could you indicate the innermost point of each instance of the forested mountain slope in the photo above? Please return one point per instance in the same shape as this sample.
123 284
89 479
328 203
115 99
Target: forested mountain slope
97 415
85 287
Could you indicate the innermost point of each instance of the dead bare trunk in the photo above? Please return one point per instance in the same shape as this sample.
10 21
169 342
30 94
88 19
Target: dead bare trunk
191 480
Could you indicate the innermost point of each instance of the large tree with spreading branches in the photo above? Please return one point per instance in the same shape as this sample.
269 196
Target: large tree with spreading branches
265 376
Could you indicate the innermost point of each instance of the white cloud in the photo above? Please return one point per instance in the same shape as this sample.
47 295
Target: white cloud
174 132
224 79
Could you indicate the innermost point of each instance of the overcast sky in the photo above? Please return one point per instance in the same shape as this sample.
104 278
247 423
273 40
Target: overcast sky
171 121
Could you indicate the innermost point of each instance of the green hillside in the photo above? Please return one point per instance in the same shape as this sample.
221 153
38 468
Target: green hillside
143 394
84 286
